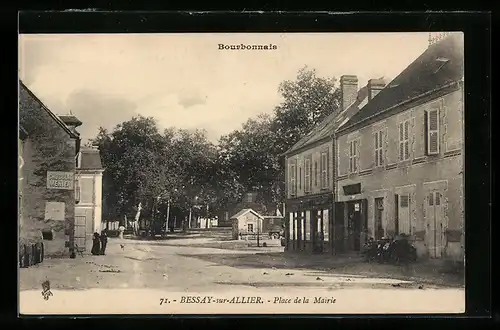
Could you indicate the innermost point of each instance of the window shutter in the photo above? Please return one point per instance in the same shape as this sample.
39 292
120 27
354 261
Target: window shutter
438 199
401 143
433 132
300 177
309 181
407 150
381 157
316 173
328 168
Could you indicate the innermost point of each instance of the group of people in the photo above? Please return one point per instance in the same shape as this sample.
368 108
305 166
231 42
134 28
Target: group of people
99 243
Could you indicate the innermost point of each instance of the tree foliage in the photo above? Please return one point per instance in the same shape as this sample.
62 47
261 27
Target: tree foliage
254 152
144 165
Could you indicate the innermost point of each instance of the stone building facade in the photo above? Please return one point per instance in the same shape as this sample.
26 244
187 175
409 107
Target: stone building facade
88 210
310 172
47 150
400 159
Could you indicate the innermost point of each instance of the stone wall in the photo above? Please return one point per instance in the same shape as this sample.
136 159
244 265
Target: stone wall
48 147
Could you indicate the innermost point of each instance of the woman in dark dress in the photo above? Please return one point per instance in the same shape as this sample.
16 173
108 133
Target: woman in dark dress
96 244
104 242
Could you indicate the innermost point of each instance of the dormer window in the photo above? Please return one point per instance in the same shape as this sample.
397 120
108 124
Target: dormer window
441 62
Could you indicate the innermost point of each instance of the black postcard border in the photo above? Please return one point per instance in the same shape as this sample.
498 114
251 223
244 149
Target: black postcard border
476 27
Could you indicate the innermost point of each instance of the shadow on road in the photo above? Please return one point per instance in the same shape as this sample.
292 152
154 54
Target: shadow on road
340 265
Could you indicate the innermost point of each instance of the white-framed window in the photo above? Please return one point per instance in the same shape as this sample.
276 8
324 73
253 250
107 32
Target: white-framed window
353 156
250 227
307 175
293 187
290 226
325 225
307 226
404 140
432 131
379 148
324 170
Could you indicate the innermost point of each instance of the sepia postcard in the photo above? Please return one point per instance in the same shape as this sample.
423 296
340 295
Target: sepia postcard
241 173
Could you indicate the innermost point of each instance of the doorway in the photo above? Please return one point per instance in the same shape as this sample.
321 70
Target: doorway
339 227
317 234
435 224
80 233
379 209
357 223
354 224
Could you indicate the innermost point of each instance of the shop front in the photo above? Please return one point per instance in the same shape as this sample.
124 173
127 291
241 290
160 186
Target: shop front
308 224
351 220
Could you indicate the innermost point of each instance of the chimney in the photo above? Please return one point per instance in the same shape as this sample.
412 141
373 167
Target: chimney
374 87
349 90
70 121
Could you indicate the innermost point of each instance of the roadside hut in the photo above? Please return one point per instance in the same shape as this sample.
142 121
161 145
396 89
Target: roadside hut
246 223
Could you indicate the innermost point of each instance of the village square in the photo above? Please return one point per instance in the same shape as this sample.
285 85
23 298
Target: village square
350 185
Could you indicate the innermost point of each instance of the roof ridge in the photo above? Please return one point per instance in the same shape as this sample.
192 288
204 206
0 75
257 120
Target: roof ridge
51 114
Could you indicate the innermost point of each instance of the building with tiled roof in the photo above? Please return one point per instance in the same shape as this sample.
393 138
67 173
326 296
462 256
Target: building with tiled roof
309 171
47 149
400 158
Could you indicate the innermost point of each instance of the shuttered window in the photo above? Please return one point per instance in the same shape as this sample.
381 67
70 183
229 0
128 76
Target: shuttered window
307 175
404 140
379 149
353 156
432 136
325 225
316 174
324 170
293 189
300 177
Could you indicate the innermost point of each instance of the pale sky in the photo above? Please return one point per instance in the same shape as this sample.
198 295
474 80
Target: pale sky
183 80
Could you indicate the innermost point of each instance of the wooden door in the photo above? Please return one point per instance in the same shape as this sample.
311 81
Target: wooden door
379 209
435 224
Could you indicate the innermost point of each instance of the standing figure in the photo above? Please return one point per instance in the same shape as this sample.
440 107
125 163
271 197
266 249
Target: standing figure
104 242
121 229
96 245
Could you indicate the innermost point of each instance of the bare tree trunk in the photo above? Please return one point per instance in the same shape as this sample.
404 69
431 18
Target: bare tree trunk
190 217
168 216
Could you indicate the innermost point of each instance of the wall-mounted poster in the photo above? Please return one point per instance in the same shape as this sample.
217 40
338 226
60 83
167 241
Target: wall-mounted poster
54 211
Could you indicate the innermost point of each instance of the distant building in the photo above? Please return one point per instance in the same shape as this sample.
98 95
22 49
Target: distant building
249 201
273 224
246 222
47 150
88 211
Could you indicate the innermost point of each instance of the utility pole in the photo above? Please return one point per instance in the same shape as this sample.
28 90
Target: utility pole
258 232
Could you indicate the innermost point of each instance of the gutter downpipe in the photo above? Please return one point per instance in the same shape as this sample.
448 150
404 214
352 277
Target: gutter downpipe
334 172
